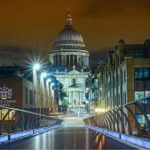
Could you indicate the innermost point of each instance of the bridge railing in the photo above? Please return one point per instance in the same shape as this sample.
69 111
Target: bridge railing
132 118
16 120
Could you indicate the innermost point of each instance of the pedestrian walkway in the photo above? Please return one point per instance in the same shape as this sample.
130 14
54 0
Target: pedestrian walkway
68 138
74 135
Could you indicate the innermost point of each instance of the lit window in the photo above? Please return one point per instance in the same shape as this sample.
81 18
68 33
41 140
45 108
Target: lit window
139 95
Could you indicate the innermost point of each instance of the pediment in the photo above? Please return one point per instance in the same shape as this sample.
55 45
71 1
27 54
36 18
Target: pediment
74 72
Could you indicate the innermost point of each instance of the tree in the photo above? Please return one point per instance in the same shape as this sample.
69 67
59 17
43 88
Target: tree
62 95
65 102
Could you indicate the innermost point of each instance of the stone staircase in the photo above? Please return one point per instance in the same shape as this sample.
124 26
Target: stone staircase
76 112
75 116
73 120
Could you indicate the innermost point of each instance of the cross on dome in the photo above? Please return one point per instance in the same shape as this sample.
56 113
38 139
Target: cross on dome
68 19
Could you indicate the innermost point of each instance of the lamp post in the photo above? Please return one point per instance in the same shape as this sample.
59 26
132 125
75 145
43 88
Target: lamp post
56 94
88 98
36 67
43 75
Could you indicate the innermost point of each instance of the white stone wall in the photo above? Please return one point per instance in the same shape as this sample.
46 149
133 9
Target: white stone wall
75 94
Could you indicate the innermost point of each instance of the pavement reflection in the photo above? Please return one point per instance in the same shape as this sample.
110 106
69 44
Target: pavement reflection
68 138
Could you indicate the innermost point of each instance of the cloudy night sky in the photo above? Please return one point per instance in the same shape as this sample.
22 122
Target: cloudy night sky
30 26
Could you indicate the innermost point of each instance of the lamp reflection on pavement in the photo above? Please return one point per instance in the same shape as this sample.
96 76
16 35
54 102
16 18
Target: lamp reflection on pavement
68 138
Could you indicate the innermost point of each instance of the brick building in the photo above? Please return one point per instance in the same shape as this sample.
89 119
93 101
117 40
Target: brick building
25 89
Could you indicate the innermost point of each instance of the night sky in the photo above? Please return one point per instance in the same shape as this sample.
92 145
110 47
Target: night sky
29 27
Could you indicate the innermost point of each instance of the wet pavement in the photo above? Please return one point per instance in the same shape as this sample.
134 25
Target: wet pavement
68 138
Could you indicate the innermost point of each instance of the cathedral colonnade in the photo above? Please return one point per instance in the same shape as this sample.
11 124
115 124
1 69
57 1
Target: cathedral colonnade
70 60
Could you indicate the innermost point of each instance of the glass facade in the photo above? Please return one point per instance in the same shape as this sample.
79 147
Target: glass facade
141 120
3 112
141 82
141 90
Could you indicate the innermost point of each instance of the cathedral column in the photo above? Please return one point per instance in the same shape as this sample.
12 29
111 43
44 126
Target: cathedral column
65 58
69 96
69 60
87 61
54 59
73 60
67 63
72 99
60 60
80 97
76 60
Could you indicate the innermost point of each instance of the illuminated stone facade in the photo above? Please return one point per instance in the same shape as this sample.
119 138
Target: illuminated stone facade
70 63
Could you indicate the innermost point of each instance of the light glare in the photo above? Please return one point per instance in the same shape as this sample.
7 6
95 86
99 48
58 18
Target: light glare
48 80
44 74
52 84
36 66
99 110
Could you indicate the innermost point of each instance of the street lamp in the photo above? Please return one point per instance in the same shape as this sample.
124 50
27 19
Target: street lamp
87 91
48 80
52 84
43 75
36 66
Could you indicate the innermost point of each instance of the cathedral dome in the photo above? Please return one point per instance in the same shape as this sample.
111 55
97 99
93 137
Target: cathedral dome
69 49
68 36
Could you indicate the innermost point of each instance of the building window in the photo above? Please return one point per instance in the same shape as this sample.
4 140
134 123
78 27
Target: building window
147 93
141 82
141 119
139 85
147 85
31 97
138 94
26 98
74 81
142 74
138 55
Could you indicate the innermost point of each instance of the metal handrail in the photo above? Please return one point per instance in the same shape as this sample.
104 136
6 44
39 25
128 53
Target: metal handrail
23 120
121 118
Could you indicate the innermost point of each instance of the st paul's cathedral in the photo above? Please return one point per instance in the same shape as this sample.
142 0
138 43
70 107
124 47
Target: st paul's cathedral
70 63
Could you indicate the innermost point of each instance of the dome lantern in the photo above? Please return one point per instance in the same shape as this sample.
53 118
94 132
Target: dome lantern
68 19
68 36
